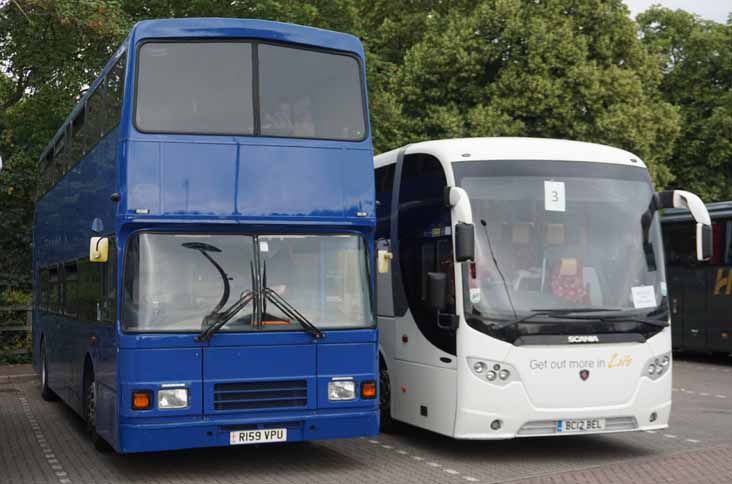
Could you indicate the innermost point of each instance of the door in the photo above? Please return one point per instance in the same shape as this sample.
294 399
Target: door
421 241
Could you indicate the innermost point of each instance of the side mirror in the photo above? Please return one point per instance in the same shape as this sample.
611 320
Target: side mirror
437 290
99 249
464 242
690 201
703 242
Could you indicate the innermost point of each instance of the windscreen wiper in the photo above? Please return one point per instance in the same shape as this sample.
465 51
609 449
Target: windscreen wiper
622 318
263 294
553 313
268 294
213 322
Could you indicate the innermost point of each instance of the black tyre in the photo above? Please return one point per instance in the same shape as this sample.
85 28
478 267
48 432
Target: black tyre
46 393
387 423
90 414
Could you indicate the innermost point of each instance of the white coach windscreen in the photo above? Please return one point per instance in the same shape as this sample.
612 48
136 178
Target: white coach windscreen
560 248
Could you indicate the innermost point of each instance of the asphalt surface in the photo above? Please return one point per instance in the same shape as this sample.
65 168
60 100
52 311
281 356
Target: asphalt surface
45 443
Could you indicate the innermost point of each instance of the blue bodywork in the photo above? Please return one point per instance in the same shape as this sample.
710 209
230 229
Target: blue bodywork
207 183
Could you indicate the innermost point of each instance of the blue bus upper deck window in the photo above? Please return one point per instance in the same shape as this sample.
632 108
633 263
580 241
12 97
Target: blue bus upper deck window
310 94
195 87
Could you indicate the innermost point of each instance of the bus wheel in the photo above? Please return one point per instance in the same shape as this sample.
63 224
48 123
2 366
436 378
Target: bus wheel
46 393
90 415
387 424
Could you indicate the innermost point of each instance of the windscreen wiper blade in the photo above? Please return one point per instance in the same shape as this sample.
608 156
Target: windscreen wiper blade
619 318
291 312
220 319
554 313
264 294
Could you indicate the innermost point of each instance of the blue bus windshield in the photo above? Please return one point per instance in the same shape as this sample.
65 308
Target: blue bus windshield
211 88
172 281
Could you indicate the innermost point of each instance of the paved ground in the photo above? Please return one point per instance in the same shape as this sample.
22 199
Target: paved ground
44 443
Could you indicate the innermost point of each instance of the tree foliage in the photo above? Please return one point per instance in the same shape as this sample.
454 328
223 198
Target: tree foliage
696 60
436 68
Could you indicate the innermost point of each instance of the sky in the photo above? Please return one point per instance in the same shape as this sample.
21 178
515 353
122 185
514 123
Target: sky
717 10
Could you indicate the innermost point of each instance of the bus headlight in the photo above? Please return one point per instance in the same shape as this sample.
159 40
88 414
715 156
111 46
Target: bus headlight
339 390
172 398
657 366
496 372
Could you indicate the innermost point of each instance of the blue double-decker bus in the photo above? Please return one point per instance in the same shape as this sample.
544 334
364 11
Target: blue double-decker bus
203 241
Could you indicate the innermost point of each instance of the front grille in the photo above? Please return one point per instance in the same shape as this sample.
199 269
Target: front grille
260 395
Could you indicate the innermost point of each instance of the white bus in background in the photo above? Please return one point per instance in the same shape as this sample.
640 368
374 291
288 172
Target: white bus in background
521 288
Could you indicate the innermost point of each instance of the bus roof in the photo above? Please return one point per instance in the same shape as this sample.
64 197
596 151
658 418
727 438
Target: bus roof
516 148
716 210
244 28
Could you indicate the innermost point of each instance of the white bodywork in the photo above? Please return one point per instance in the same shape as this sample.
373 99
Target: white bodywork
545 386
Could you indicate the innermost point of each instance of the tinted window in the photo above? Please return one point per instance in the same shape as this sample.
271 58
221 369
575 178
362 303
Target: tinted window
384 190
308 94
114 93
202 87
71 289
425 242
678 242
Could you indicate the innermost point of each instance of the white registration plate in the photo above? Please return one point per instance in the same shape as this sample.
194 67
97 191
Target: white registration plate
581 425
243 437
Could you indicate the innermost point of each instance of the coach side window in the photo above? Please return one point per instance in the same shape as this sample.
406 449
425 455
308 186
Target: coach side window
384 190
678 240
425 242
54 287
70 289
43 289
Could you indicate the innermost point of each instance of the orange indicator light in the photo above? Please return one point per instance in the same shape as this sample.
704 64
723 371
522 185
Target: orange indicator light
368 390
141 400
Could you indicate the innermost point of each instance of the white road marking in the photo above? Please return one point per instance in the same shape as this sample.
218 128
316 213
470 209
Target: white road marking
470 479
43 444
433 464
721 396
416 457
374 442
452 471
650 431
402 452
388 446
669 436
693 441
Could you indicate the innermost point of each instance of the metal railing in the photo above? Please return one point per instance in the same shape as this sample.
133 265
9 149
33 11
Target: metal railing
17 325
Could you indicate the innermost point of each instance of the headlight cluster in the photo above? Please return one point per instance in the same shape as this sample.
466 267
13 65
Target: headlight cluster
339 390
657 366
172 398
495 372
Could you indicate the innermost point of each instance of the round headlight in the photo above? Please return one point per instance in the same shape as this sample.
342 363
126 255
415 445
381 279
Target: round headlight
666 360
479 367
651 369
504 374
490 376
496 367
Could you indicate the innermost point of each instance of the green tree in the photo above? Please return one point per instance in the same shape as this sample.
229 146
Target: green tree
696 60
554 68
52 49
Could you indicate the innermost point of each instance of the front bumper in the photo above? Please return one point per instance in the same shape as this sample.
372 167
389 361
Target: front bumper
520 418
214 431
